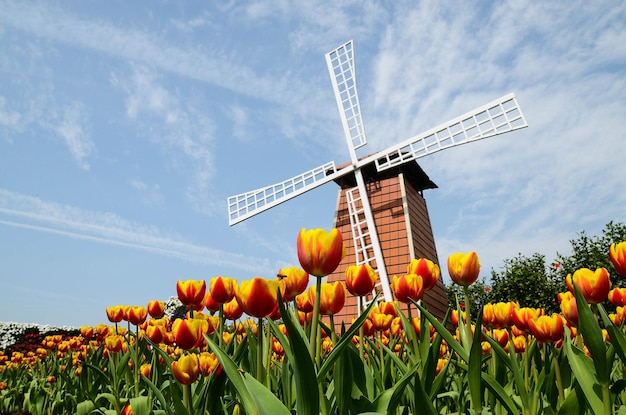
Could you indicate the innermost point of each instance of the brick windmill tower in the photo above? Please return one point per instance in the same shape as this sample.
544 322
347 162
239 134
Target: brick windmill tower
381 208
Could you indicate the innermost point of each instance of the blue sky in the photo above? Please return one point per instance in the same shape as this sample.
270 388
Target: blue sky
125 126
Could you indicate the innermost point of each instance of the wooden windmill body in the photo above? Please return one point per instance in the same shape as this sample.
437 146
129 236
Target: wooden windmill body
381 193
403 226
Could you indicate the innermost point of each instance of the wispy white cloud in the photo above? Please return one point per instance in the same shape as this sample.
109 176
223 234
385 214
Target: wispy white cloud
150 195
32 213
183 131
71 128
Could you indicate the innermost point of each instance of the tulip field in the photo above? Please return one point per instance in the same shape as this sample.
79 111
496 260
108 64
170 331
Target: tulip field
271 346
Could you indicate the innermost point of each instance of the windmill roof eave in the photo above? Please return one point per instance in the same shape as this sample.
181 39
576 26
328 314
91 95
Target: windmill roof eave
411 170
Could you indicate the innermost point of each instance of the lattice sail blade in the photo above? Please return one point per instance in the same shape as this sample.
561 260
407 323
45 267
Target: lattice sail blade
498 117
246 205
342 72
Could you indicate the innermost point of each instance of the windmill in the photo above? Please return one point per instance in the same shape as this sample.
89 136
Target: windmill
497 117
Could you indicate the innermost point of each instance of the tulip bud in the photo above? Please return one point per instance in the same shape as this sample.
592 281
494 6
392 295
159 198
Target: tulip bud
464 268
320 252
360 279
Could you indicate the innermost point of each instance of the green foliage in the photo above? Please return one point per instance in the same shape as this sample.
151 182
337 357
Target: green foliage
479 294
531 282
592 252
527 281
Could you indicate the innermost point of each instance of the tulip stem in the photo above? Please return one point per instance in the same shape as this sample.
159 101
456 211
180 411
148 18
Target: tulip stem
220 340
259 351
316 316
187 401
468 316
361 330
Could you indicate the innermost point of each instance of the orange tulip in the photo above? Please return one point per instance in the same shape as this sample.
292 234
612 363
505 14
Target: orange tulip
521 316
380 321
186 369
222 289
232 310
617 296
547 328
156 308
498 315
408 287
320 252
332 297
455 317
303 302
145 369
464 268
568 307
427 269
114 343
87 332
360 279
191 292
519 344
156 333
137 314
257 297
208 363
188 333
501 336
617 253
115 313
388 308
128 410
594 286
295 280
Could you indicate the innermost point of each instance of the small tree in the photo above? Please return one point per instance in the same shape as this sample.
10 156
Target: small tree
593 252
478 292
527 281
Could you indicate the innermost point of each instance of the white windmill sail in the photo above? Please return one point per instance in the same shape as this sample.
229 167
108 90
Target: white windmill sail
340 63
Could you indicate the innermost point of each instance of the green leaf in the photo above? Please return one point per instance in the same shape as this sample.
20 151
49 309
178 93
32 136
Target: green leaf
511 363
345 339
343 379
85 408
299 357
617 337
445 333
266 402
157 392
475 366
501 394
585 372
140 405
422 399
235 377
592 333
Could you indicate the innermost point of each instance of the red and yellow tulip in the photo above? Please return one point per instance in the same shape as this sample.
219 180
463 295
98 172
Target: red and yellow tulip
427 269
295 282
115 313
464 268
594 285
186 369
191 292
617 253
360 279
156 308
188 333
408 287
320 252
257 297
222 289
333 297
547 328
